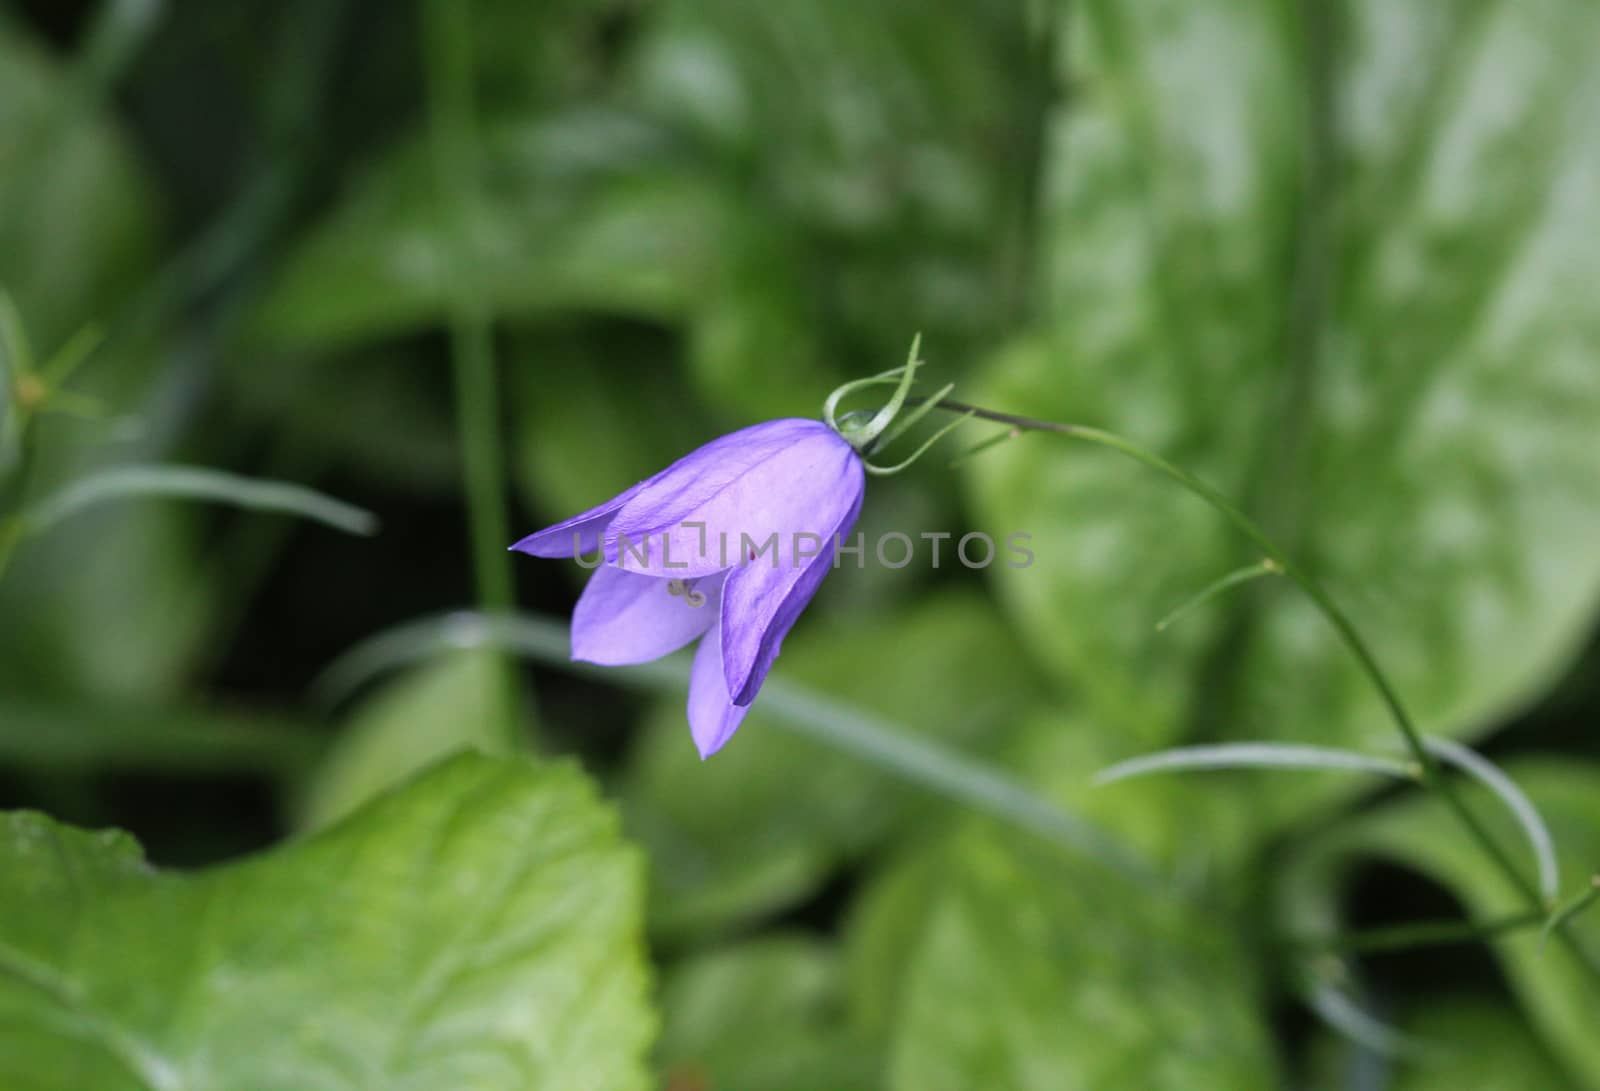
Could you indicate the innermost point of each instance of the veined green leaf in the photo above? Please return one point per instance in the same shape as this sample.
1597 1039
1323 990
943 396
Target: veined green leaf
766 1015
1031 974
797 709
1339 279
456 703
477 929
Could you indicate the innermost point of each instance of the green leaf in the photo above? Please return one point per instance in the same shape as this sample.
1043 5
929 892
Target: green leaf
1033 972
883 746
764 823
628 420
1480 1045
1557 992
451 704
78 236
882 934
535 52
371 408
1199 832
1188 832
79 736
1484 1047
766 1015
773 230
758 349
584 209
477 929
890 188
77 212
116 608
903 103
1343 282
1254 755
198 483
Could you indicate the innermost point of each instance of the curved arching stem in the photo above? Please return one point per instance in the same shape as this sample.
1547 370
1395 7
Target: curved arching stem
1432 777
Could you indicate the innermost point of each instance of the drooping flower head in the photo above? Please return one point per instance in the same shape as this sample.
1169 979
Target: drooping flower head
727 545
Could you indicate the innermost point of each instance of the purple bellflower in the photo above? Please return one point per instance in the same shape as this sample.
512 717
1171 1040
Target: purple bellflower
725 546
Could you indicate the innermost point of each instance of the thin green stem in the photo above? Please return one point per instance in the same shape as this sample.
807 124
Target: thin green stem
1572 908
984 445
1432 777
449 48
1046 24
1405 937
906 753
11 532
21 408
14 491
452 131
1217 587
477 418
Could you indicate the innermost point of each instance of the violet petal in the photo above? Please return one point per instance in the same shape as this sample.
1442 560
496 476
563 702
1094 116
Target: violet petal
761 604
767 480
557 540
713 718
624 617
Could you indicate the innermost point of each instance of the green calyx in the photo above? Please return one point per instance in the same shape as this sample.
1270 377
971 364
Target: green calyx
31 389
868 432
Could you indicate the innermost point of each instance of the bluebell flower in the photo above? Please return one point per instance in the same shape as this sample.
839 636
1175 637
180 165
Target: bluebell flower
725 546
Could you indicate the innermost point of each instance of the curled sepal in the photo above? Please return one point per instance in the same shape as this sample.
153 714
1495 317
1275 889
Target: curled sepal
871 432
885 471
861 432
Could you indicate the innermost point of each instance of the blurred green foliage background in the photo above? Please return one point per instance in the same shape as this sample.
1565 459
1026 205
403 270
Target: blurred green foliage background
1337 258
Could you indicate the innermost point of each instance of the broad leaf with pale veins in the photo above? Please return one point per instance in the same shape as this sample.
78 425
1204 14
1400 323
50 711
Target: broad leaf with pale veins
477 929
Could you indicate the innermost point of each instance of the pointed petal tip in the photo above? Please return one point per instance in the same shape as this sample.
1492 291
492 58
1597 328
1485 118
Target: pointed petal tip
595 658
604 657
533 546
715 745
